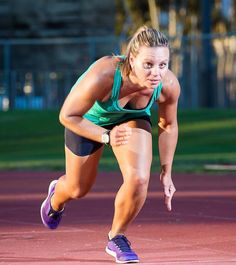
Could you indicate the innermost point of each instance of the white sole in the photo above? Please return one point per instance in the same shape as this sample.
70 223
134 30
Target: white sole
113 254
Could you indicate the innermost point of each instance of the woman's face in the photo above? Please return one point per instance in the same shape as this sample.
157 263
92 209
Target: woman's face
150 65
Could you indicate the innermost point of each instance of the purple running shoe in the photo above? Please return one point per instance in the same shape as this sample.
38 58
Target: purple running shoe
119 247
50 218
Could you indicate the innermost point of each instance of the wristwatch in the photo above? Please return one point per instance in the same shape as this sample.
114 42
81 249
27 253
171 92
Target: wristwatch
106 137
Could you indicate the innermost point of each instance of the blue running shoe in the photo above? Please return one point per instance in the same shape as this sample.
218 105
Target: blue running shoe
119 247
50 218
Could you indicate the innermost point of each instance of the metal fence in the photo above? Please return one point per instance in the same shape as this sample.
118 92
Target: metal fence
38 74
206 68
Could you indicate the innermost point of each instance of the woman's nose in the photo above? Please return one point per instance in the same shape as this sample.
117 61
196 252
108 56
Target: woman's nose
156 71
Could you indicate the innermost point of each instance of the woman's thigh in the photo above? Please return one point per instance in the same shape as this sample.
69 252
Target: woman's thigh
81 171
135 158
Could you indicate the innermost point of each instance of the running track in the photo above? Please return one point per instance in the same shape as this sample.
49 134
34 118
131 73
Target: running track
201 229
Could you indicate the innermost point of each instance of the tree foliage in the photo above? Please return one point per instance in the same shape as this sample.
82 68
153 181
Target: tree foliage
130 14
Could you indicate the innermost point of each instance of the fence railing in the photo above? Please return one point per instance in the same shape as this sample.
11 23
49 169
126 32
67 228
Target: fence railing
38 74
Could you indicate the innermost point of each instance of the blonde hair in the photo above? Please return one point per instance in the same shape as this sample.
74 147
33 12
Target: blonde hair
144 36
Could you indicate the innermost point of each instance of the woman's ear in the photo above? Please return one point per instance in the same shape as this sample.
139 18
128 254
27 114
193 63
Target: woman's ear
131 61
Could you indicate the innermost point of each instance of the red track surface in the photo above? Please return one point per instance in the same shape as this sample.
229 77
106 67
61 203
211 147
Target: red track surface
201 229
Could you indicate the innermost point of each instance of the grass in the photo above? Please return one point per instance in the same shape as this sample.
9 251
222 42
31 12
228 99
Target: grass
34 140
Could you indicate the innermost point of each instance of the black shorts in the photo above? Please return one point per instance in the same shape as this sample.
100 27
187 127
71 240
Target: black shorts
82 146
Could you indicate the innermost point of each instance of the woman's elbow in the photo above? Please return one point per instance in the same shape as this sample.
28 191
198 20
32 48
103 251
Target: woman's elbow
69 118
63 117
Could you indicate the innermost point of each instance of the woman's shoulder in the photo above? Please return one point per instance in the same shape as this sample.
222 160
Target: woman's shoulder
170 80
171 86
107 64
100 76
103 70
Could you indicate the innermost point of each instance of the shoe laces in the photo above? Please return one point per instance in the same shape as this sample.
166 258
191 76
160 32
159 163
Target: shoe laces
122 243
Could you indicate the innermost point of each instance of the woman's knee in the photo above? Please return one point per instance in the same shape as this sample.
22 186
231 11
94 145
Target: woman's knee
138 183
76 192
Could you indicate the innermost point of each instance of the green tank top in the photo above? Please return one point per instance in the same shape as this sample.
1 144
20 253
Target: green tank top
110 112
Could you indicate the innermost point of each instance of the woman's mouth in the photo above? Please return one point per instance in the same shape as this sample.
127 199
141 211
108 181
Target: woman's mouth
154 81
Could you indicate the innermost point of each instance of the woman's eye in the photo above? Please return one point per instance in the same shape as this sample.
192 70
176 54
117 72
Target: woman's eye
147 65
163 65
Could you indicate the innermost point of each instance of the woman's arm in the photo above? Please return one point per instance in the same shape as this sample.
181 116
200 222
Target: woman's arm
168 133
95 85
81 98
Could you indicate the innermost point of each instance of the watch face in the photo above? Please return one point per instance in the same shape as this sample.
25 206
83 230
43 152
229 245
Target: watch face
105 138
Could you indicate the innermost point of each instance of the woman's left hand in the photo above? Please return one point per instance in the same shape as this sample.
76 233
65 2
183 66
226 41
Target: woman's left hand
169 189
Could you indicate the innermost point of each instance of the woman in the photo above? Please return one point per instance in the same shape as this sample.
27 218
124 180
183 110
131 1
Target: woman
110 104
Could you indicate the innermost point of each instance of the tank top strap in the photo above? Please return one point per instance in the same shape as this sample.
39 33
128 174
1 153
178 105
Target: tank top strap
116 83
157 91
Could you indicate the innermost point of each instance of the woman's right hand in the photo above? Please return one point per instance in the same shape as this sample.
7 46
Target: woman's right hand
120 135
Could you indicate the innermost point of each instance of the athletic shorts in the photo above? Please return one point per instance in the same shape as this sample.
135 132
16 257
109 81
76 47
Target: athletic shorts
82 146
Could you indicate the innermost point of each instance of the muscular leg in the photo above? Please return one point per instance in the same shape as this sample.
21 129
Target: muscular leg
80 175
135 162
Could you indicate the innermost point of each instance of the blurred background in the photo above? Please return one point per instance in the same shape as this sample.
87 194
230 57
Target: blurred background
46 44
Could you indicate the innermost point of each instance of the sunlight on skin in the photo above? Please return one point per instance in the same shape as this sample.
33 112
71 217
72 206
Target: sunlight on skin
162 124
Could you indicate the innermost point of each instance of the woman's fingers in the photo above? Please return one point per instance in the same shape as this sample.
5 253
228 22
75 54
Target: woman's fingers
121 134
169 193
